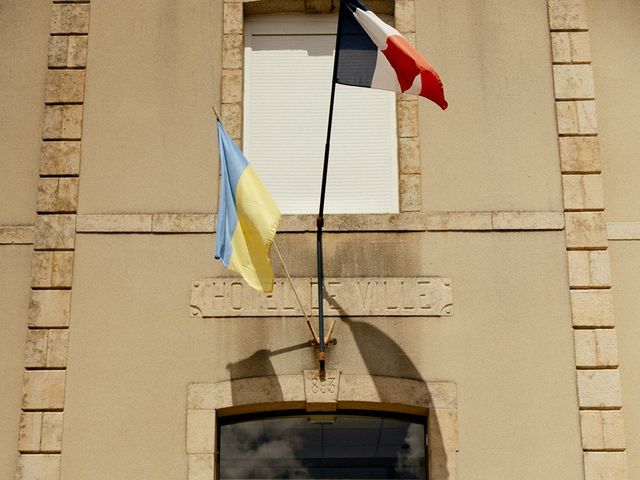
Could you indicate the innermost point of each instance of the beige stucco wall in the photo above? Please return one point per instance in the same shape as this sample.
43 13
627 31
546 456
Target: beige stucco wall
495 148
625 268
151 82
24 36
615 42
15 269
134 347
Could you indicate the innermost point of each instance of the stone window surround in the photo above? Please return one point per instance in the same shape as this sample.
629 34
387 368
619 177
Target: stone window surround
409 170
437 401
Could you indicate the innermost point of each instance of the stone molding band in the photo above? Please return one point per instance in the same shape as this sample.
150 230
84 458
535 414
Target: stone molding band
17 234
623 230
433 222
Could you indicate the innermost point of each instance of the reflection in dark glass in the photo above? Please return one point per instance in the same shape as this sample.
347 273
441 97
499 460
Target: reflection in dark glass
323 447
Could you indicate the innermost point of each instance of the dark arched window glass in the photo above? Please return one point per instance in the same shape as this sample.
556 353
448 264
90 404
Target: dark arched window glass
326 446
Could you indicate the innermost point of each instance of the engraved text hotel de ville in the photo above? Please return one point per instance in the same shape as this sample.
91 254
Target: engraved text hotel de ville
357 297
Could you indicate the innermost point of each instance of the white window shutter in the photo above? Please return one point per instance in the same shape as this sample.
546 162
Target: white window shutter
288 66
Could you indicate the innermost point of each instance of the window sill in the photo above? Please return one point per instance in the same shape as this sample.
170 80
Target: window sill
386 222
496 221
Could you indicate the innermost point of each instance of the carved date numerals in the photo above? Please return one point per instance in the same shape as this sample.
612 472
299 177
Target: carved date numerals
328 385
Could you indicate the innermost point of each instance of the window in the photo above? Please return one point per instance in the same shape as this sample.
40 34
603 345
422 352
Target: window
329 446
288 66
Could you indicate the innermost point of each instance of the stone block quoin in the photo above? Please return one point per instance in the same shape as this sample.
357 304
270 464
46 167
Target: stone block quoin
46 349
593 320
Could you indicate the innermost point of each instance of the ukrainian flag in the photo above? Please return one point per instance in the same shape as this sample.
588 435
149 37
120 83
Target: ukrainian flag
247 217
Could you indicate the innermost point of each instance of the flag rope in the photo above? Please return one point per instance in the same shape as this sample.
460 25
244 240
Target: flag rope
295 292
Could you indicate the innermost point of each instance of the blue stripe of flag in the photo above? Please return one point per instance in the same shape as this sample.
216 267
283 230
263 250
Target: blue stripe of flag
232 165
357 52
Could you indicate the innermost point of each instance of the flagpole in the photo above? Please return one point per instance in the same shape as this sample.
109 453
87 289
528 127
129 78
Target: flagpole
320 220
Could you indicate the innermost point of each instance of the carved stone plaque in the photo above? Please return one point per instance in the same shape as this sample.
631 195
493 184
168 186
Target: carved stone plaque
353 297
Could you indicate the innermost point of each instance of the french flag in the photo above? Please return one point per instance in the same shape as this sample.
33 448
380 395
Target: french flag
375 55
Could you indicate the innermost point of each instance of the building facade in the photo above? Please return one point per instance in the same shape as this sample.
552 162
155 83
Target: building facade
496 299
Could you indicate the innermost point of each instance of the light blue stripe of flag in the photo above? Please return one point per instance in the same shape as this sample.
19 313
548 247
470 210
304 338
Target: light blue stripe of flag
232 165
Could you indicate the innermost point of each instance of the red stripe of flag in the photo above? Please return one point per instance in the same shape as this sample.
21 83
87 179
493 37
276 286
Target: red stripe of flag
408 64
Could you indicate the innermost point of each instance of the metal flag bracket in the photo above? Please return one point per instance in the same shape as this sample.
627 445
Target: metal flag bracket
329 341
